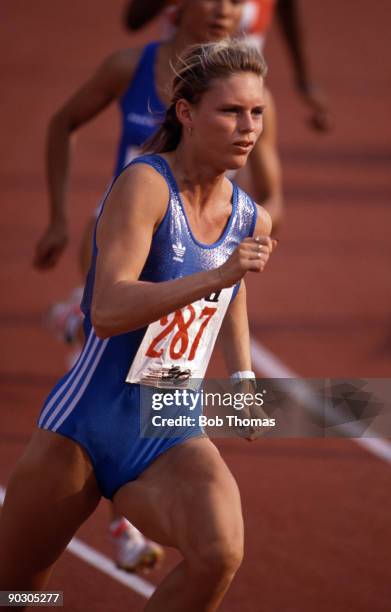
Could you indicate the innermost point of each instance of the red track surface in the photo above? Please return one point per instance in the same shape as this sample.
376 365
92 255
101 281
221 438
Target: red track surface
317 512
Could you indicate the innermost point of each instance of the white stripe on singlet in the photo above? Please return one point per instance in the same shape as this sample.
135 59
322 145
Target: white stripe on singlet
75 400
70 384
69 378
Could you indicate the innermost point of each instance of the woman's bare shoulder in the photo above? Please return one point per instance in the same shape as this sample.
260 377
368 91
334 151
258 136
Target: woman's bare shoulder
120 66
141 186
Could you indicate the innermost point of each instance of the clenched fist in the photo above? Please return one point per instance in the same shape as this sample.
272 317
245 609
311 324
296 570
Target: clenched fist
251 255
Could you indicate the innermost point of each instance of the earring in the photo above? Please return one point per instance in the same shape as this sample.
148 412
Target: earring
190 130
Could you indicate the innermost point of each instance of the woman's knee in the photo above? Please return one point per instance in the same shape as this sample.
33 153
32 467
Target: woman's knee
217 550
218 560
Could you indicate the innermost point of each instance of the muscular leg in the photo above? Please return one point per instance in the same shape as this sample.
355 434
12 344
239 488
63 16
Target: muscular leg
51 493
189 499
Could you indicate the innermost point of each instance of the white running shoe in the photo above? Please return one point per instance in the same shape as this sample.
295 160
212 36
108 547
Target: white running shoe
65 318
133 552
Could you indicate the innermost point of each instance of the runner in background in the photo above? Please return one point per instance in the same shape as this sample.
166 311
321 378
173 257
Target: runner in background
257 19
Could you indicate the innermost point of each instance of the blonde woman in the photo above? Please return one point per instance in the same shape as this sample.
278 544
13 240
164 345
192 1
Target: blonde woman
138 80
139 303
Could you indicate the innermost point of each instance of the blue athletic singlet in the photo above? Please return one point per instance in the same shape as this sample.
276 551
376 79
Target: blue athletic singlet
97 403
141 109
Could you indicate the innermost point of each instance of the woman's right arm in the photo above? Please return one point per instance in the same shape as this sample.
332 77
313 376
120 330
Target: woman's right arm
133 210
107 84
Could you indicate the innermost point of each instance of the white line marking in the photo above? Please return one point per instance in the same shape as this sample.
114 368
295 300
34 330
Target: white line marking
377 446
104 564
269 365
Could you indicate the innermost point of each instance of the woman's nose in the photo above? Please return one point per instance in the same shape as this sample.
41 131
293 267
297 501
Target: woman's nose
246 123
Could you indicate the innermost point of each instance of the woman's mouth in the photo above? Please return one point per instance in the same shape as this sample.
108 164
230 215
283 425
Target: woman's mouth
243 146
218 29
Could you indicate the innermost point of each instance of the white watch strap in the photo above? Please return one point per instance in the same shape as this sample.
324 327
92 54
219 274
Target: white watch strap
244 375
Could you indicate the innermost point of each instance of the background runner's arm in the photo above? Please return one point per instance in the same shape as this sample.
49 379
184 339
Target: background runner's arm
289 20
107 84
132 212
140 12
265 167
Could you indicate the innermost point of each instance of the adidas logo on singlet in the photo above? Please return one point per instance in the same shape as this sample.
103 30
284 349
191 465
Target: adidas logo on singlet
179 251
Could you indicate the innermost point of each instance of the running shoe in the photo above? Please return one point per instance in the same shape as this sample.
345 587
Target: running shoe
133 552
65 318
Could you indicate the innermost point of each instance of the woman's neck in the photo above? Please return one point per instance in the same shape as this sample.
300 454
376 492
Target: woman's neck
178 43
196 177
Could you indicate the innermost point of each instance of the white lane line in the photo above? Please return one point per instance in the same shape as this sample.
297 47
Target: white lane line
270 366
377 446
104 564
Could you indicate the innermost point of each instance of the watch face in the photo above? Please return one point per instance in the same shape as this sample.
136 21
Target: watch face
249 383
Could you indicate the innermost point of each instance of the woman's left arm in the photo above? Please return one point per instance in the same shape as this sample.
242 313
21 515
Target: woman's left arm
234 337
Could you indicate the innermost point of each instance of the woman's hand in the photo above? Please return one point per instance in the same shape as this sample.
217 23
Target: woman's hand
51 246
320 118
260 422
251 255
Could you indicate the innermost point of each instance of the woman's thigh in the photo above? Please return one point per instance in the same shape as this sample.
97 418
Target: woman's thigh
50 494
187 498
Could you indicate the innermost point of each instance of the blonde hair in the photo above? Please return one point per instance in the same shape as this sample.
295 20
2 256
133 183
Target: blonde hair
197 67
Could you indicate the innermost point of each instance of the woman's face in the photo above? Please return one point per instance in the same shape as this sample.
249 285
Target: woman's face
227 121
210 20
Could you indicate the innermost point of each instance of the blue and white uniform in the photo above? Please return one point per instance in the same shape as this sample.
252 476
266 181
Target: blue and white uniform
97 403
141 109
141 112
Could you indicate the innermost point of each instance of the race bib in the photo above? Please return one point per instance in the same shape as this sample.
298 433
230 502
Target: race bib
178 347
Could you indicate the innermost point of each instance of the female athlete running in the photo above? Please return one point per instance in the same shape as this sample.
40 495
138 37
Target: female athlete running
137 79
172 231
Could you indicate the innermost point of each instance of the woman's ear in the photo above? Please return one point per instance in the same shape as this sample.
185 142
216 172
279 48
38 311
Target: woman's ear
184 112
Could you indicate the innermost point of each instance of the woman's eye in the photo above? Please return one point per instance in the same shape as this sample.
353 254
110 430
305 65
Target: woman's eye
258 112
